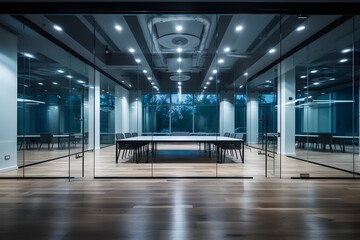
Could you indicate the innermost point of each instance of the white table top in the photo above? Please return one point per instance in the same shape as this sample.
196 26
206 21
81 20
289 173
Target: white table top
55 135
181 139
313 135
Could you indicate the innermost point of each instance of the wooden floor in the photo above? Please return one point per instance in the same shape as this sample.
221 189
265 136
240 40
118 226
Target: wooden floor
179 209
190 163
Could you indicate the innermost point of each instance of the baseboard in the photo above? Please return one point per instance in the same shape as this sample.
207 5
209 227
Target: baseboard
8 168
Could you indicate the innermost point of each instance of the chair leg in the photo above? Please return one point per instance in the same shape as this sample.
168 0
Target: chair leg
40 146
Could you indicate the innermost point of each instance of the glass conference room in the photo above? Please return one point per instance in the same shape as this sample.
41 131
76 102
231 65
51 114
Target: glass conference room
286 86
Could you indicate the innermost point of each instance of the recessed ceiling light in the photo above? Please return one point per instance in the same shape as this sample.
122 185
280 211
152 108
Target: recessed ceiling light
58 28
305 87
137 60
129 85
227 49
272 50
207 83
40 83
149 78
131 50
28 55
80 81
55 83
241 86
239 28
332 79
300 28
214 71
314 71
316 83
118 27
346 50
179 50
179 70
152 83
179 28
154 86
179 60
303 76
68 76
211 78
179 83
245 74
205 87
60 71
344 60
122 81
221 61
144 71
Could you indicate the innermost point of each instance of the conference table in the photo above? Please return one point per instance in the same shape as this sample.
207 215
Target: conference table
58 136
218 141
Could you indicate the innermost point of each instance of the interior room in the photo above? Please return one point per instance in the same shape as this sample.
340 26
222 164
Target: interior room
179 95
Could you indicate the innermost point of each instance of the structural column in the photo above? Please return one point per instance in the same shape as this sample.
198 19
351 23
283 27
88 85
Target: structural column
8 101
286 101
227 112
252 116
94 109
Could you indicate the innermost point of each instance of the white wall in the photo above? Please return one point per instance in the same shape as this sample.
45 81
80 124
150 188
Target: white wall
227 112
252 116
135 112
122 117
94 110
8 100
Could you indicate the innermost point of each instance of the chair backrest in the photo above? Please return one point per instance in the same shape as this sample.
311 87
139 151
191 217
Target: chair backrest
134 134
119 136
226 134
128 135
180 134
46 138
232 135
240 136
326 138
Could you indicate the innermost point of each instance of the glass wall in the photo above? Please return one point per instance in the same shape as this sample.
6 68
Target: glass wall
286 85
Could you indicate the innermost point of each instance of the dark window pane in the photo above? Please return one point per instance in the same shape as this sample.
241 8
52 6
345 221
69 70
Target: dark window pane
205 119
205 99
181 118
161 99
156 119
186 99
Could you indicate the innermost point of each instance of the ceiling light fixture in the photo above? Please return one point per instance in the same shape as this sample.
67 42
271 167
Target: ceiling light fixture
118 27
239 28
179 60
207 83
80 81
346 50
221 61
137 60
179 70
245 74
58 28
68 76
60 71
149 78
179 28
179 83
28 55
131 50
227 49
300 28
214 71
152 83
179 50
211 78
332 79
272 50
205 87
316 83
241 86
55 83
303 76
144 71
314 71
344 60
40 83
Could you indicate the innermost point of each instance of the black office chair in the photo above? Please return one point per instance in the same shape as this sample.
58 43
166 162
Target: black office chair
46 138
226 134
134 134
325 139
128 135
232 135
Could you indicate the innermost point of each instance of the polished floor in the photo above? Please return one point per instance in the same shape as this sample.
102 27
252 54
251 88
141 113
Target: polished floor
179 209
190 163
